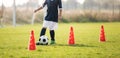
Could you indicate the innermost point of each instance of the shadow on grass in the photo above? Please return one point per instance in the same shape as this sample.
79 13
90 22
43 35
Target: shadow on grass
76 45
111 41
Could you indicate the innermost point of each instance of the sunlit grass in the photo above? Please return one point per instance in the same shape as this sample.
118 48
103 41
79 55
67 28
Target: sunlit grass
14 41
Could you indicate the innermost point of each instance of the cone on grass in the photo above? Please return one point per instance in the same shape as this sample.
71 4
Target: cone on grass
71 37
102 34
32 45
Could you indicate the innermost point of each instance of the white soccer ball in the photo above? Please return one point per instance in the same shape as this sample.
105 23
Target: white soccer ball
43 40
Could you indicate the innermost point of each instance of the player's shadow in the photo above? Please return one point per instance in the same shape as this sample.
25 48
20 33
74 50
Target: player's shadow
77 45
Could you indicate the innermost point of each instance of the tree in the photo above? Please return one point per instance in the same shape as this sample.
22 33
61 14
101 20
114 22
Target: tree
72 4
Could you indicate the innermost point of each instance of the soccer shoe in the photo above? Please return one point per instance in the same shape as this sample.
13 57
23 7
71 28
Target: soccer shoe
52 42
38 43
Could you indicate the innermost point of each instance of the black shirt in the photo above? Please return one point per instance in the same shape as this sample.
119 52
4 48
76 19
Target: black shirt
52 9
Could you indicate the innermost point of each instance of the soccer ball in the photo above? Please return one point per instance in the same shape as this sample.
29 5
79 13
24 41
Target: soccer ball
43 40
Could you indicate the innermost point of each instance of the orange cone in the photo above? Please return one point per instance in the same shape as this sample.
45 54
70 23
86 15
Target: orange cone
102 34
71 37
32 45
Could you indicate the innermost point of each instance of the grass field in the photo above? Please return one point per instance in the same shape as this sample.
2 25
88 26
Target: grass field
14 41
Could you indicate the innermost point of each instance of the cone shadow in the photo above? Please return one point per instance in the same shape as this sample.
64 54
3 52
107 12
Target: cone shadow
77 45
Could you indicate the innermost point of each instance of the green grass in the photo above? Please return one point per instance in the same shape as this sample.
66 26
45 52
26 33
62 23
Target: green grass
14 41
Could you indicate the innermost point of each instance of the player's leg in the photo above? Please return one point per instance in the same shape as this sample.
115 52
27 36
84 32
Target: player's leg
52 27
52 35
43 31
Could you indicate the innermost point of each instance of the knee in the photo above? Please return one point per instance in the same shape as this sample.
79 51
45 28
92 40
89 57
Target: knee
51 30
44 28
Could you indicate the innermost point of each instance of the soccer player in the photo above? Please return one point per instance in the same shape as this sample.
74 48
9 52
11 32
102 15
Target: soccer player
53 13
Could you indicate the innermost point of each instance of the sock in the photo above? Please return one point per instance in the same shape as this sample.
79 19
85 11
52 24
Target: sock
52 34
43 31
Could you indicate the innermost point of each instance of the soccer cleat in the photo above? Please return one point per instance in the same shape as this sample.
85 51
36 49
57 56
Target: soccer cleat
52 42
38 43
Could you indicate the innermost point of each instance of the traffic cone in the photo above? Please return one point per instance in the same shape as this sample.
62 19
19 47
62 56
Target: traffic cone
71 37
32 45
102 34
